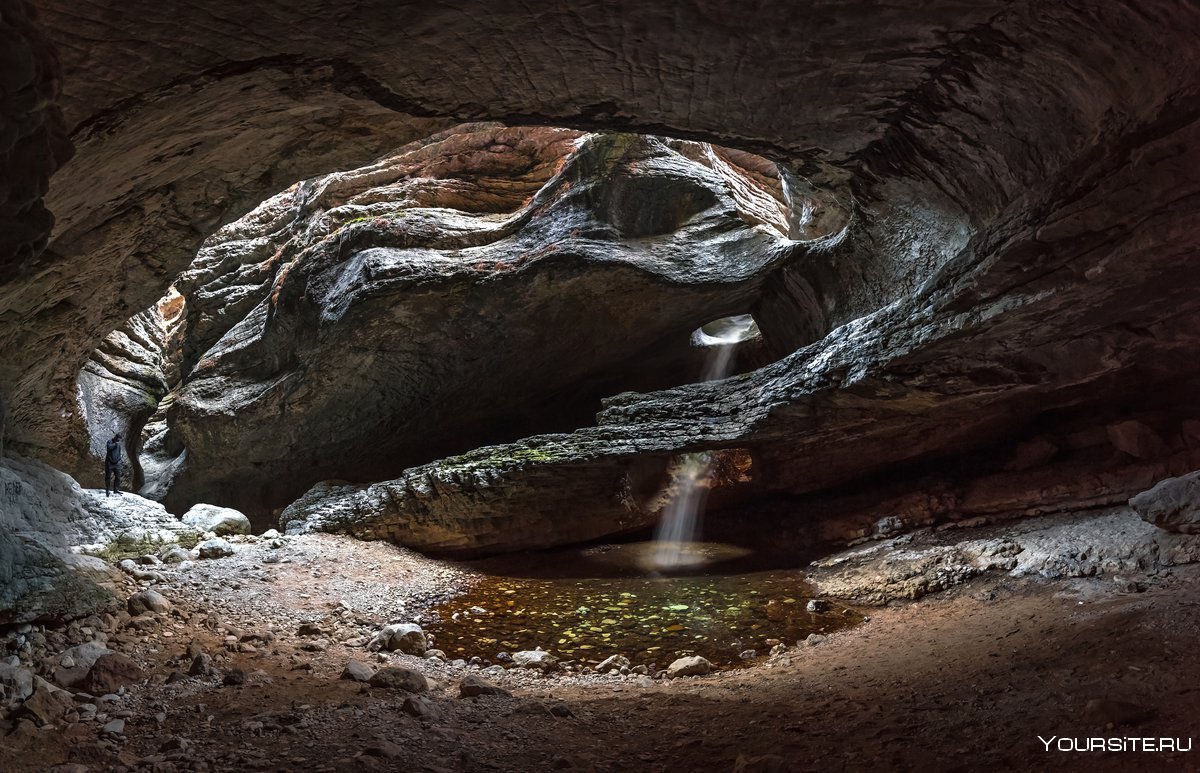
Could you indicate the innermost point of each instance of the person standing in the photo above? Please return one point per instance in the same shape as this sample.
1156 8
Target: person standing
112 464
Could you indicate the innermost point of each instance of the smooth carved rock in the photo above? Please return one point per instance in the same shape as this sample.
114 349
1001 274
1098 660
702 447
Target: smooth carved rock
1172 504
369 307
1023 203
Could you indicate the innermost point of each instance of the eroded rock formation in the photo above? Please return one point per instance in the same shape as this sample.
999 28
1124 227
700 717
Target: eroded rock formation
1017 179
485 284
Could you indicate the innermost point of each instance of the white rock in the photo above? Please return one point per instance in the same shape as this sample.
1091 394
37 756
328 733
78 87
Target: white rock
405 637
689 666
220 521
215 548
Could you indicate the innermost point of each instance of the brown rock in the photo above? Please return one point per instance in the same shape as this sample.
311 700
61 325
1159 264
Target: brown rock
473 686
1137 439
395 678
110 673
48 704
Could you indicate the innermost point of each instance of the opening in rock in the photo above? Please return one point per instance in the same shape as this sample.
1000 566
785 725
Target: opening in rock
487 284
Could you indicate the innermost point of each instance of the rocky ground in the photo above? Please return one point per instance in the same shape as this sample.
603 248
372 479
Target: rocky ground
240 666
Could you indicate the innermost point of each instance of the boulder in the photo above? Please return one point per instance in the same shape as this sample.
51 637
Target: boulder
221 521
82 657
147 601
109 673
357 671
47 704
1172 504
693 665
215 548
16 684
395 678
420 706
538 659
612 663
408 638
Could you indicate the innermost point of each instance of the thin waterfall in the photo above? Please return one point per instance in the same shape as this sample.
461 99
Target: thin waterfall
679 527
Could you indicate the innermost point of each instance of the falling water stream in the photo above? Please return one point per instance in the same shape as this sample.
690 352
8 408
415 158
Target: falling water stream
679 527
651 601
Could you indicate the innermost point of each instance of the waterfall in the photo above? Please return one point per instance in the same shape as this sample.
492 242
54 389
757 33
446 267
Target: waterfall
679 526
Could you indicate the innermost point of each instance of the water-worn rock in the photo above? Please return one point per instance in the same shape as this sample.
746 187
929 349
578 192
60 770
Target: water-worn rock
693 665
215 548
563 227
396 678
404 637
111 672
221 521
1008 185
1172 504
473 686
147 601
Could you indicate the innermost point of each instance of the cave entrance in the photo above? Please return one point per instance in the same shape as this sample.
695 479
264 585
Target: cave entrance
486 284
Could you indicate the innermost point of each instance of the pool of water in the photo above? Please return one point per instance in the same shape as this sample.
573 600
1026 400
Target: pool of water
584 605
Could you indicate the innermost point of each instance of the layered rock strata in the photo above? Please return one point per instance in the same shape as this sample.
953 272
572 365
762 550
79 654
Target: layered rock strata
1021 176
486 283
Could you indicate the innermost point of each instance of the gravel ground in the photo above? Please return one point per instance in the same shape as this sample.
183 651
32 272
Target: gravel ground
964 679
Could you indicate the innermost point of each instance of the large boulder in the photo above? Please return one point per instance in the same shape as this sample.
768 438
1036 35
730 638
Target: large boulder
1172 504
221 521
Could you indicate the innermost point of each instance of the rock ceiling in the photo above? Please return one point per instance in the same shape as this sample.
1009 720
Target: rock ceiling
1021 179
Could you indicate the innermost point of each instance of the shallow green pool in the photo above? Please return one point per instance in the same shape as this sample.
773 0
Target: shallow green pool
586 605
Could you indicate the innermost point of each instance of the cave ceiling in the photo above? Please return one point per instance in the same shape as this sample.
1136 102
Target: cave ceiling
1022 177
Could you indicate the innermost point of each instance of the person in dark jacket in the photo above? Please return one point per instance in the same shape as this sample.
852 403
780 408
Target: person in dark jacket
112 464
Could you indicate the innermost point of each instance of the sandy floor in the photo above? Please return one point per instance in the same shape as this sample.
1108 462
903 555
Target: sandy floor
966 680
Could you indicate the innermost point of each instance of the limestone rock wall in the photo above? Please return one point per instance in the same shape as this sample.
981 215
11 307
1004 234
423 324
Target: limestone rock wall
484 284
1018 178
46 520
